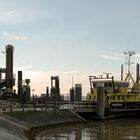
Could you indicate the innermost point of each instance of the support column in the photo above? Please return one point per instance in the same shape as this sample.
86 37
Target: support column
9 67
20 84
100 100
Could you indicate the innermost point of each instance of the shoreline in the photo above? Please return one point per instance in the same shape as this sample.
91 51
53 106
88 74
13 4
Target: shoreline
34 131
26 125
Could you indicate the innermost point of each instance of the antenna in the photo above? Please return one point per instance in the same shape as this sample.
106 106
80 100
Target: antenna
72 82
129 54
107 74
128 58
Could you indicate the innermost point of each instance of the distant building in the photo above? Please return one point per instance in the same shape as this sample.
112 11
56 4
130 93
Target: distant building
72 94
78 93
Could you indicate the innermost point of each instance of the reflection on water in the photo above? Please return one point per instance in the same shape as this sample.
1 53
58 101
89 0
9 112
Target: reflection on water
116 129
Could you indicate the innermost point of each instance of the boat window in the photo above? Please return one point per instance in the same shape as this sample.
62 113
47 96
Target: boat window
109 84
125 85
113 97
118 97
118 85
107 97
94 84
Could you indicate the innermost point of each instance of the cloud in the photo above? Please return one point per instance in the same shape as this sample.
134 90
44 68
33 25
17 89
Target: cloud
13 36
11 12
111 56
136 57
41 79
7 16
21 14
4 14
22 68
71 72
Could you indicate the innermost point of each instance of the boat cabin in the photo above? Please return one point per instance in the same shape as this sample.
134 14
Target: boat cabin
112 88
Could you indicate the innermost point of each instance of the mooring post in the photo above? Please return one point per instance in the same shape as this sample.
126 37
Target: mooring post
23 107
45 105
34 106
11 108
100 100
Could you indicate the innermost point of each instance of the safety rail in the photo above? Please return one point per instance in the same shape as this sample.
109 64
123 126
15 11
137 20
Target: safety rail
34 106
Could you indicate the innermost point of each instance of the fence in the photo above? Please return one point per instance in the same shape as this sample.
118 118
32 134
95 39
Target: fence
34 106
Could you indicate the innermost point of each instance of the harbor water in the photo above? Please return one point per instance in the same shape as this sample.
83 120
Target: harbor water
114 129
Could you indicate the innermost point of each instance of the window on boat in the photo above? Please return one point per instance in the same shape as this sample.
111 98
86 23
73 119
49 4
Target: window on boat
110 97
118 85
105 90
110 84
113 97
118 97
107 97
125 85
122 97
94 85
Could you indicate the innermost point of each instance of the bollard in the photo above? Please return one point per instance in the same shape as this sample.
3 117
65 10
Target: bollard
34 106
11 108
100 100
23 107
45 106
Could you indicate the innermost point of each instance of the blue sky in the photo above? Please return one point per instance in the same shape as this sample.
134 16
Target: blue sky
69 38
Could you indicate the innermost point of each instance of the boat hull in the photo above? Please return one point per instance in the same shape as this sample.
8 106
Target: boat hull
115 110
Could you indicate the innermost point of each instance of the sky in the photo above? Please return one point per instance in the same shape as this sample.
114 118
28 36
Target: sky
69 38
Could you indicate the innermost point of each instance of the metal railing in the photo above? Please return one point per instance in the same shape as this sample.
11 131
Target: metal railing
34 106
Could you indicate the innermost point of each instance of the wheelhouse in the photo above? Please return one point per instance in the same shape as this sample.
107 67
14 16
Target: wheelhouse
112 89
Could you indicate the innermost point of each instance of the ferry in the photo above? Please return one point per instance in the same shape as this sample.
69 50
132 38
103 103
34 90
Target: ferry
119 97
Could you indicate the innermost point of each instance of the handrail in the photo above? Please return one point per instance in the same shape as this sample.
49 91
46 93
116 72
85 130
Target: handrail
59 105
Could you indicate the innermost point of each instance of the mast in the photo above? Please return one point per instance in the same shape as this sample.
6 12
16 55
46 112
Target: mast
129 54
122 72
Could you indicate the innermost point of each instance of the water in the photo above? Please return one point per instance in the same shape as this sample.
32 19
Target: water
115 129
